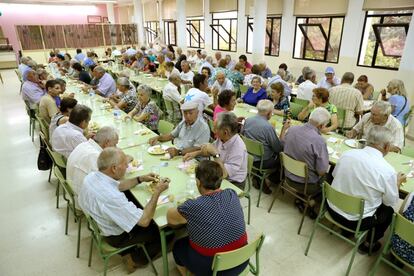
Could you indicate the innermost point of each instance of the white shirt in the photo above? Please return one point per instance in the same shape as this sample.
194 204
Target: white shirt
366 174
324 84
187 76
200 97
81 162
173 71
305 90
227 85
66 137
100 198
170 93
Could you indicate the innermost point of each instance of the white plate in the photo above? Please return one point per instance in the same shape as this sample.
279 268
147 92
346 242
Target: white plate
330 150
157 149
351 143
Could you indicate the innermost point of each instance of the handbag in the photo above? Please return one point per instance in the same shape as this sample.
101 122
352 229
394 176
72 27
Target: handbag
44 162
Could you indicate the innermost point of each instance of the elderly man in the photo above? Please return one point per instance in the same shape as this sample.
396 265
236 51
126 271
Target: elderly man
197 94
380 115
347 97
80 57
121 222
32 92
47 104
265 71
218 57
172 98
259 129
230 63
106 84
302 77
221 83
279 78
330 80
305 89
67 136
228 150
190 133
23 66
366 174
305 143
186 74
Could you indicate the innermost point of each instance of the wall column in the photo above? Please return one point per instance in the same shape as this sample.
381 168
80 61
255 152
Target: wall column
259 30
207 28
111 13
241 28
138 20
181 24
161 22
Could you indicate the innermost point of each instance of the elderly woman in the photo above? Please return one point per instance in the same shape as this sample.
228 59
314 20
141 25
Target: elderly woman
366 88
149 67
280 101
207 72
226 102
126 98
66 106
210 230
255 93
320 98
146 111
398 99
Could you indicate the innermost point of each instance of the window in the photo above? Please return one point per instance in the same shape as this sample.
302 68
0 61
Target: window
272 40
195 32
224 30
170 35
318 38
383 39
151 28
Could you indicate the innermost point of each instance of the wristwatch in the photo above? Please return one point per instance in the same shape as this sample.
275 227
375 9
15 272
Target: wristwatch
180 152
217 155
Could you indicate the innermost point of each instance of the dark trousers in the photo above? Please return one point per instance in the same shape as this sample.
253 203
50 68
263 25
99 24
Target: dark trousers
270 164
379 221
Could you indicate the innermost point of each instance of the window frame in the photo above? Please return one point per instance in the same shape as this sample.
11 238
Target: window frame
149 33
375 53
167 34
327 45
213 30
272 18
200 40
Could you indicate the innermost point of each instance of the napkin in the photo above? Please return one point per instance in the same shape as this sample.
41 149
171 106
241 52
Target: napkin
253 111
332 140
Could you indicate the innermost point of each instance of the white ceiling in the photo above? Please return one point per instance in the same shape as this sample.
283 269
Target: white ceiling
71 2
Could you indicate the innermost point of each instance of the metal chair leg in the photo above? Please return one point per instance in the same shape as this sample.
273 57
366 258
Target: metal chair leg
275 197
50 174
79 236
303 218
90 252
67 220
57 194
248 211
262 179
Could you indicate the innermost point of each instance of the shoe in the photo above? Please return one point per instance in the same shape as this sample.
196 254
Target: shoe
347 234
266 189
300 205
129 263
255 183
364 249
312 214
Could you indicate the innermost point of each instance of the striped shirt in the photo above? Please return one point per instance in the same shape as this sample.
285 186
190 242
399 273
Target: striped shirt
350 99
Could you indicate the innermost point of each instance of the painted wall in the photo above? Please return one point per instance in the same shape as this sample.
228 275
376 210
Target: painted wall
28 14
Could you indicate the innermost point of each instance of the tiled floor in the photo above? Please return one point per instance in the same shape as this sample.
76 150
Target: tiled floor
32 229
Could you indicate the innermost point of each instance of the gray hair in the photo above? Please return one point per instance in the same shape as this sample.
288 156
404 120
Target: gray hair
204 53
264 106
31 64
380 136
309 74
24 60
99 69
185 62
110 156
319 116
227 120
125 73
256 78
145 88
384 107
123 81
220 73
281 72
105 134
40 71
174 76
209 59
348 77
305 70
399 84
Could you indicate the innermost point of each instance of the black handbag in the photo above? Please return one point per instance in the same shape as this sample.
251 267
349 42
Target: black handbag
44 162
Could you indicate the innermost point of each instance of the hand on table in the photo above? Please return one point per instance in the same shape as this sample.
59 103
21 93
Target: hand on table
189 156
149 177
163 185
152 141
401 178
208 149
172 151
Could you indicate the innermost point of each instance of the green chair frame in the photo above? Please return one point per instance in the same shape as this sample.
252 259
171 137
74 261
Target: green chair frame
246 193
31 112
341 113
165 127
295 109
349 204
300 169
256 148
231 259
407 119
169 112
302 102
105 250
44 127
71 205
405 230
243 90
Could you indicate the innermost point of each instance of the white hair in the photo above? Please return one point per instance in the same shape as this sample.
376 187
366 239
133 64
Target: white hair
227 120
220 73
174 76
110 156
125 73
385 108
399 84
209 59
123 81
319 116
24 60
379 135
264 106
204 53
106 134
99 69
145 88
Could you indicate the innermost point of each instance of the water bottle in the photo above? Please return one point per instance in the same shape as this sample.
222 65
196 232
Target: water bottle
191 185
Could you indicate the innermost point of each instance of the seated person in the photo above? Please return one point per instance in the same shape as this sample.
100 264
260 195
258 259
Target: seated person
305 88
236 76
260 129
265 71
198 94
380 115
67 136
106 84
288 77
366 174
226 102
205 218
320 98
228 150
61 117
170 69
398 99
305 143
365 87
47 105
255 93
402 248
172 98
120 221
254 73
279 78
126 98
302 77
221 83
149 66
247 65
161 66
330 80
189 135
145 111
82 75
280 101
186 74
206 71
32 92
